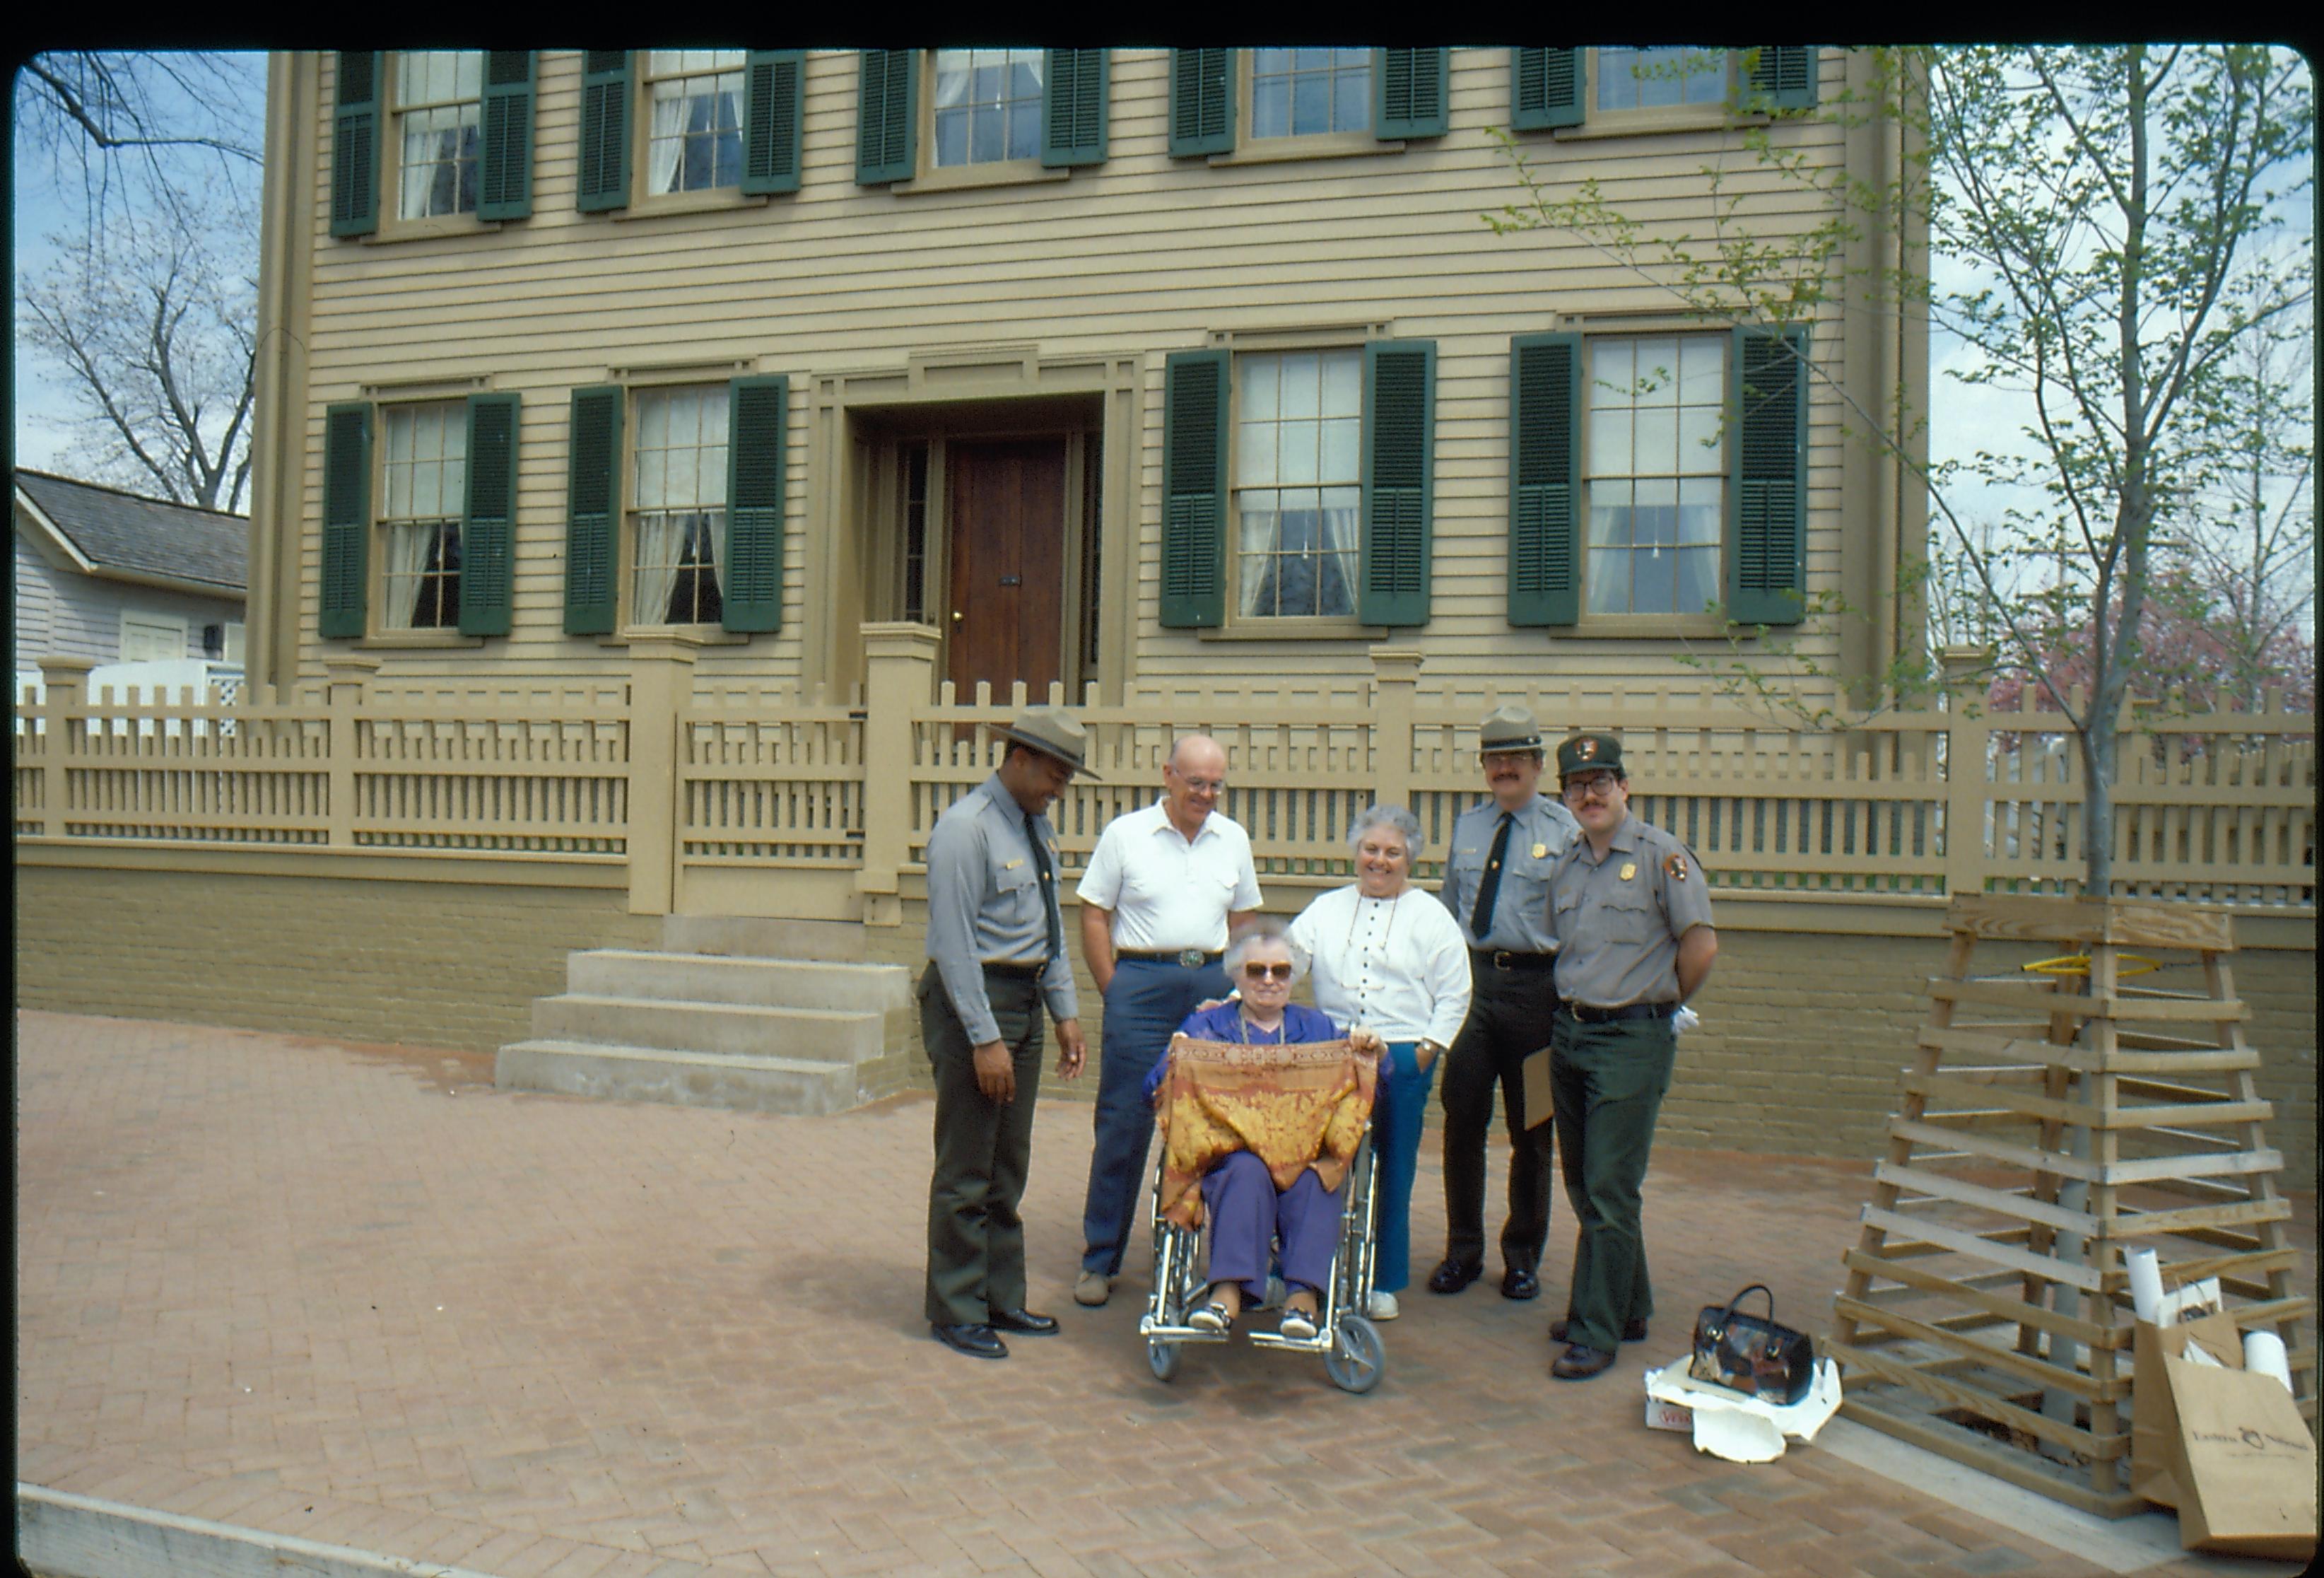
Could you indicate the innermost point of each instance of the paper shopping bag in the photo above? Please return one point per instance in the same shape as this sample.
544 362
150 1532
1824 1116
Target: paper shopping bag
2248 1481
2155 1457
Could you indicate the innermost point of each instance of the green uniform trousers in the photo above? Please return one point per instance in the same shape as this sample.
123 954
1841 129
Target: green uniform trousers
1608 1080
976 1240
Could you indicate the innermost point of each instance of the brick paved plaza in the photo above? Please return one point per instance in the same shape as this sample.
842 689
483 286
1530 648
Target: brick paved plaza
352 1294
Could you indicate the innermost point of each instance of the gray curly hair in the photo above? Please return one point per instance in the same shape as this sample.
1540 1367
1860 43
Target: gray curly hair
1387 815
1264 928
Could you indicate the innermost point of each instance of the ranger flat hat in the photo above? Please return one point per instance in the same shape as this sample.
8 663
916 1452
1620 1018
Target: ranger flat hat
1587 753
1509 728
1052 734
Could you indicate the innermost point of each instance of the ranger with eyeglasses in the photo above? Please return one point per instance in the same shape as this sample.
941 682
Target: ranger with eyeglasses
1631 910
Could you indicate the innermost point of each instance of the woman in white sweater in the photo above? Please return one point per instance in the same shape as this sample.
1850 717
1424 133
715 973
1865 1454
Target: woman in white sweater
1391 959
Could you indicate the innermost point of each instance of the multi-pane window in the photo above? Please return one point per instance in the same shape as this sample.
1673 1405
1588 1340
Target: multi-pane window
425 467
1302 93
1656 472
695 141
987 106
440 112
677 518
1298 496
916 532
1660 78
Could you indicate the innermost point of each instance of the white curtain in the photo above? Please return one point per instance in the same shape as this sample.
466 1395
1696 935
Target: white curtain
668 143
714 526
659 537
407 559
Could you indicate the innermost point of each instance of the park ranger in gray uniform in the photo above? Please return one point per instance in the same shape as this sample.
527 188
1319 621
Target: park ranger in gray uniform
1632 913
996 955
1497 886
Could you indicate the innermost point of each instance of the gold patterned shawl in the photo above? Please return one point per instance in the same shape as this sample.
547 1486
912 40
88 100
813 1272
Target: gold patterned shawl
1293 1107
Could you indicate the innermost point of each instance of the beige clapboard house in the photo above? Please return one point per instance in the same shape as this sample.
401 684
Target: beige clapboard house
1144 368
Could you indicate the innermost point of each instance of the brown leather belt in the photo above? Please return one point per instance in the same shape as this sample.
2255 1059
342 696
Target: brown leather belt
1585 1014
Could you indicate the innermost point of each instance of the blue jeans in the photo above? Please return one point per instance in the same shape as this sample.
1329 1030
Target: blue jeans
1398 1111
1144 1006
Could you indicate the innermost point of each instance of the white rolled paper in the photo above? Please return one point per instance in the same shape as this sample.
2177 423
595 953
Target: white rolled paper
2263 1352
2145 1284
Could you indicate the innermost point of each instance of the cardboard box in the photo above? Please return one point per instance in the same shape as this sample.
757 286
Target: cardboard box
1667 1415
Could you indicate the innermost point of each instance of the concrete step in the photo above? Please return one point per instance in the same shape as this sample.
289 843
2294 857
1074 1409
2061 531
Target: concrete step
712 978
764 937
726 1029
800 1086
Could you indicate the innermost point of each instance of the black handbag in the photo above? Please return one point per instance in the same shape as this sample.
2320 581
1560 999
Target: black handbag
1744 1353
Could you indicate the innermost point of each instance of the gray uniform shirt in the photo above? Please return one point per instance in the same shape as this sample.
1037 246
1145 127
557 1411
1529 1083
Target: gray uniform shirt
1538 834
987 904
1621 918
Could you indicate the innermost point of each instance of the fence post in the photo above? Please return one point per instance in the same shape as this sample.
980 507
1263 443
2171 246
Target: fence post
1968 732
900 665
1396 676
661 686
64 690
345 677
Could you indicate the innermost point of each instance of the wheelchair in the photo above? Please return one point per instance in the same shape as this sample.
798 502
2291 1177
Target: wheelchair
1346 1338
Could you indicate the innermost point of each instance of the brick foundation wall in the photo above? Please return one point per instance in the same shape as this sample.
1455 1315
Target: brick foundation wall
1801 1040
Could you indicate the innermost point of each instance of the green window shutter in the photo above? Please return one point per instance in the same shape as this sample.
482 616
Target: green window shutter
1399 472
772 111
1545 478
1782 77
1766 513
887 117
605 93
505 173
1547 88
1408 92
355 144
1202 102
346 519
758 459
593 505
488 518
1073 107
1194 407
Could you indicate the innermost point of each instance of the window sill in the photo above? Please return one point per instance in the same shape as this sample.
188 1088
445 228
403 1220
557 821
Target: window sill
1325 145
960 178
1643 123
391 231
688 635
1295 630
417 640
1646 626
720 200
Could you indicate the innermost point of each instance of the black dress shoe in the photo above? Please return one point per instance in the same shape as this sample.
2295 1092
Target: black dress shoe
1517 1282
1024 1321
975 1341
1634 1332
1580 1363
1451 1276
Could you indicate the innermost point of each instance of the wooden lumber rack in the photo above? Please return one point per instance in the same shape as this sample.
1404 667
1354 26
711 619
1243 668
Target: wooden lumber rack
2051 1121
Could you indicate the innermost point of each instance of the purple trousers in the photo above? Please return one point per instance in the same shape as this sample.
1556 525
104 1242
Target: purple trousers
1247 1215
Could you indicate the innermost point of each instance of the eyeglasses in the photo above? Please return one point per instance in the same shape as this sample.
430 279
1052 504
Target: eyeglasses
1202 786
1263 972
1598 786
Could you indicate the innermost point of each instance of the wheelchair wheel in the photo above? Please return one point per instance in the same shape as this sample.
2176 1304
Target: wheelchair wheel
1162 1357
1357 1360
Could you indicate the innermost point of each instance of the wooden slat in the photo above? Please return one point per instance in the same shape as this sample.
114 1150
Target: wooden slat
2019 1468
1967 1290
1981 1041
1990 1250
2030 999
2035 1371
2081 1113
2150 1169
2002 1202
2073 920
2182 1222
1978 1400
2196 1268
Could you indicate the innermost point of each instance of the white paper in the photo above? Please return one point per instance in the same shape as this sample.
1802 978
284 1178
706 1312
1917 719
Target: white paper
2145 1284
2264 1355
1741 1429
1685 1020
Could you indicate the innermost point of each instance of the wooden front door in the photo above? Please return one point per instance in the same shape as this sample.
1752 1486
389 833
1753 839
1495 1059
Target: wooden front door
1006 506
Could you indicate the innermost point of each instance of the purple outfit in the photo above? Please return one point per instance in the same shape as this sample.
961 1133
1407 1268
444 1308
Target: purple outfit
1247 1215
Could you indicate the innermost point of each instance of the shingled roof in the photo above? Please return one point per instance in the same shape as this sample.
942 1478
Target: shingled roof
126 533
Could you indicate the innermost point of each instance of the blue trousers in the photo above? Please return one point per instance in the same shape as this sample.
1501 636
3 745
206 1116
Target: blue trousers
1145 1004
1398 1109
1247 1215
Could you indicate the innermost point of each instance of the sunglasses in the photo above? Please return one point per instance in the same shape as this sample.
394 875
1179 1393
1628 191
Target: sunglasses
1262 971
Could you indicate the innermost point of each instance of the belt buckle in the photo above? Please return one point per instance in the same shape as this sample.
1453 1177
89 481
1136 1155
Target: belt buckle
1190 958
1501 959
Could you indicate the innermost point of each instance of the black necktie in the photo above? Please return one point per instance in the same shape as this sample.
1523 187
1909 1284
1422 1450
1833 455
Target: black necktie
1048 875
1480 919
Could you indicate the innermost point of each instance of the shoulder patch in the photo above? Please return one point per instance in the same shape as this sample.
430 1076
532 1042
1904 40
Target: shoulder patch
1675 866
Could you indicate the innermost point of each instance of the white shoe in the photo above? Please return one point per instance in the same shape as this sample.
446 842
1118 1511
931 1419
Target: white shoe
1093 1289
1383 1307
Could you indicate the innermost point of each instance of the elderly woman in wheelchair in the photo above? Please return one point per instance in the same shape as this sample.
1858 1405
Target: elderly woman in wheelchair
1248 1213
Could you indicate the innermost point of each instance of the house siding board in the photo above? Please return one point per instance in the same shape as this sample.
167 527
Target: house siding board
1141 256
62 613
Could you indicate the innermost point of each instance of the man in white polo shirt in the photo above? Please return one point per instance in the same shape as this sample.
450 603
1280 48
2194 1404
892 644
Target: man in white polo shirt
1164 887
